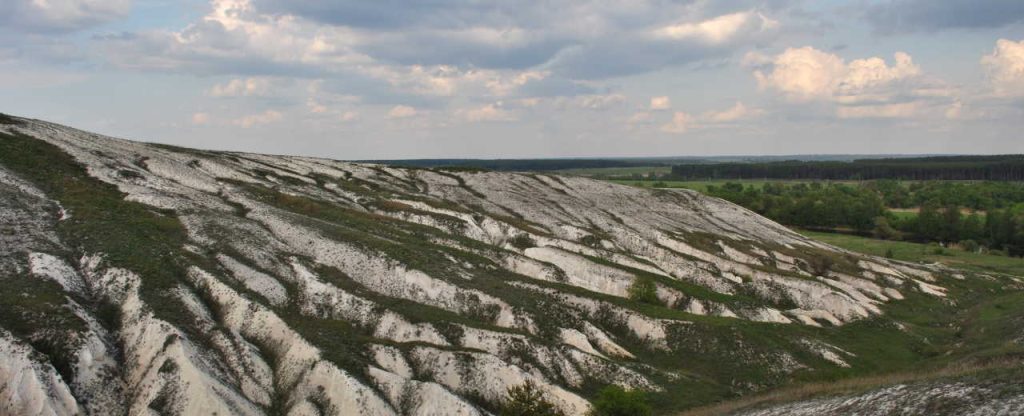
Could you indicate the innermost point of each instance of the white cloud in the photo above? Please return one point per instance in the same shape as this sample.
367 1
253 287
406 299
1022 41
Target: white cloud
600 102
660 103
898 110
683 122
955 110
719 29
809 74
402 111
266 117
234 37
347 116
803 74
315 107
861 88
1005 67
502 86
522 42
735 113
489 112
241 88
200 118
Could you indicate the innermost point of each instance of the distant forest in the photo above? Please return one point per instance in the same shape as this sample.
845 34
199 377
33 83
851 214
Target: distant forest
991 168
519 165
553 164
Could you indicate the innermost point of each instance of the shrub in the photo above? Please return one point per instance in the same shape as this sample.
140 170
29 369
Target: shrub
644 290
970 245
591 240
526 400
889 253
883 230
616 401
820 264
522 241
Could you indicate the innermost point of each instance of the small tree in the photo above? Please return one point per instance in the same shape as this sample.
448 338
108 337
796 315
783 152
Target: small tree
616 401
644 290
526 400
884 230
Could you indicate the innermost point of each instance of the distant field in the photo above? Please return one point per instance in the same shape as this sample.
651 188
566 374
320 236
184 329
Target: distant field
904 213
915 252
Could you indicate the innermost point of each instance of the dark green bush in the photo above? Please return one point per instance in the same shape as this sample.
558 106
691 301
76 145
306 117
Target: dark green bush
522 242
616 401
527 400
644 290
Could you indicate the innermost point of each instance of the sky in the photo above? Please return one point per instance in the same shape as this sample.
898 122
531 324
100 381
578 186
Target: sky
393 79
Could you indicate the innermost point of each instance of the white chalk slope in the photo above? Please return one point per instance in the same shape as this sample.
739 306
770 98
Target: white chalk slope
452 286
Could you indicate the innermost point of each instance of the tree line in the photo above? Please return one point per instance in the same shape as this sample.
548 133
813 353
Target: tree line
983 216
975 168
518 165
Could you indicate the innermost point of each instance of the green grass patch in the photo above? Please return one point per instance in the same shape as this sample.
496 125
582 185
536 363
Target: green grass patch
916 252
130 235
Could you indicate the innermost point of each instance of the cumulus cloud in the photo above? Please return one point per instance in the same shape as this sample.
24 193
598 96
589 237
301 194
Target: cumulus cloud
510 34
807 73
718 29
576 40
402 111
600 101
239 87
860 88
266 117
660 103
682 122
896 16
60 15
234 37
1005 67
239 39
735 113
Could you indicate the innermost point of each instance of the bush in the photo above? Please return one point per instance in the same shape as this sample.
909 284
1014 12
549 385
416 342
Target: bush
883 230
522 241
970 245
616 401
644 290
820 264
526 400
889 253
